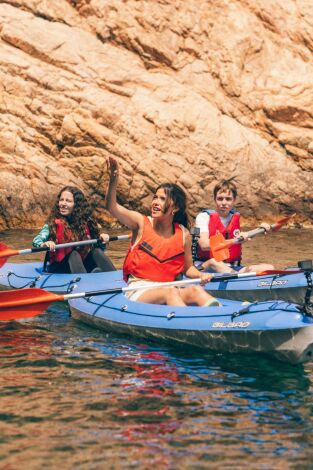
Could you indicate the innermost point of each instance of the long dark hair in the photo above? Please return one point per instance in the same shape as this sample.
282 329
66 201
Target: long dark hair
77 220
176 194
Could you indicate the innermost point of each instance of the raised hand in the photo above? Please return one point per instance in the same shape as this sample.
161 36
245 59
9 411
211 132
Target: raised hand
113 168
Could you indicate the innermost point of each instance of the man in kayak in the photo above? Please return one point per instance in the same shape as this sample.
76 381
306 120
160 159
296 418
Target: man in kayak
70 220
160 248
226 220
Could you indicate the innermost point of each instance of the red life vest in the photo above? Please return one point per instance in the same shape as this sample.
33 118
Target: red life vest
215 226
64 235
156 258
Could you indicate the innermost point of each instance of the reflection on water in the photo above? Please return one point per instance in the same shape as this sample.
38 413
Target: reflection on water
74 397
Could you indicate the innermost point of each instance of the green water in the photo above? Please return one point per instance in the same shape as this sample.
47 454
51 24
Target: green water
72 397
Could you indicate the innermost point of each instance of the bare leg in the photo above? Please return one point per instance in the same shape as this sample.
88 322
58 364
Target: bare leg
257 268
197 295
216 266
162 296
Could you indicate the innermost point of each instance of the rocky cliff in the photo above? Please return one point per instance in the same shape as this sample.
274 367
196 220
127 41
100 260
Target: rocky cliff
187 91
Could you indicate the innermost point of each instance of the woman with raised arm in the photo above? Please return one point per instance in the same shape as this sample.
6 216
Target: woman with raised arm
70 220
160 248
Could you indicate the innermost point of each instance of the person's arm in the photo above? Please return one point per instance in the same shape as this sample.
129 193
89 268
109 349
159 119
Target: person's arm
132 219
202 222
266 227
42 237
245 235
190 270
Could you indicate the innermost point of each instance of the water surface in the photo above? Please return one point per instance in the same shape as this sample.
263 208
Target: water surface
74 397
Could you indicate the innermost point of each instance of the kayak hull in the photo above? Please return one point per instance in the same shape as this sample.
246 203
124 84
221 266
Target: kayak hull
275 327
294 346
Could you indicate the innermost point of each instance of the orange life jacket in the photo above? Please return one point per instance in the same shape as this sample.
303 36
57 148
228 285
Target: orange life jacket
215 226
154 257
64 235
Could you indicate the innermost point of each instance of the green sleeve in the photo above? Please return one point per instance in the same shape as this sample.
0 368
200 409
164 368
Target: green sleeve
42 237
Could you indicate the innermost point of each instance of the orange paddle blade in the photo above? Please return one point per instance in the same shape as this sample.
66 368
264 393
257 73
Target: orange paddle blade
285 272
219 247
18 312
281 222
25 303
5 253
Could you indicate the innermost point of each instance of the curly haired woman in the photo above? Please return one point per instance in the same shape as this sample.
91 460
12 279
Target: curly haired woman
70 220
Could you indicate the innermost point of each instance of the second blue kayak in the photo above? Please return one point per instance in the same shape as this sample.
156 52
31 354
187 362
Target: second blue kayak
288 287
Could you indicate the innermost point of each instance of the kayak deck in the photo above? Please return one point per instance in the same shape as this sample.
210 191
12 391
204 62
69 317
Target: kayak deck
24 275
288 287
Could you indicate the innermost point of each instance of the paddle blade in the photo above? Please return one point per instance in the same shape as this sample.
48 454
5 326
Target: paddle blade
219 247
278 225
25 303
17 313
5 253
285 272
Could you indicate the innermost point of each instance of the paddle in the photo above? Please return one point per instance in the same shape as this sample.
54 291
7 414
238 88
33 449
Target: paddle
220 247
6 252
24 303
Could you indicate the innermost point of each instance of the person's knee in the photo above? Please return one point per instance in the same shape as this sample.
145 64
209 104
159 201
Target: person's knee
247 269
196 290
210 264
102 261
76 263
75 256
259 268
267 267
172 294
193 293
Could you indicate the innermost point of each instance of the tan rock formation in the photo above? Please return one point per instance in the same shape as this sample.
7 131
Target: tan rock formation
190 92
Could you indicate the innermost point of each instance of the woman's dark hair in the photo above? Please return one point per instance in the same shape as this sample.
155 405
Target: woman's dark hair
78 219
174 193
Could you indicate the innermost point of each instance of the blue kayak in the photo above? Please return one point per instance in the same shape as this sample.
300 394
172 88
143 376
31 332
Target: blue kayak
274 327
291 288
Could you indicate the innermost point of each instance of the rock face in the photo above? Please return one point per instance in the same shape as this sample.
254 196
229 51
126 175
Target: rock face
188 92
